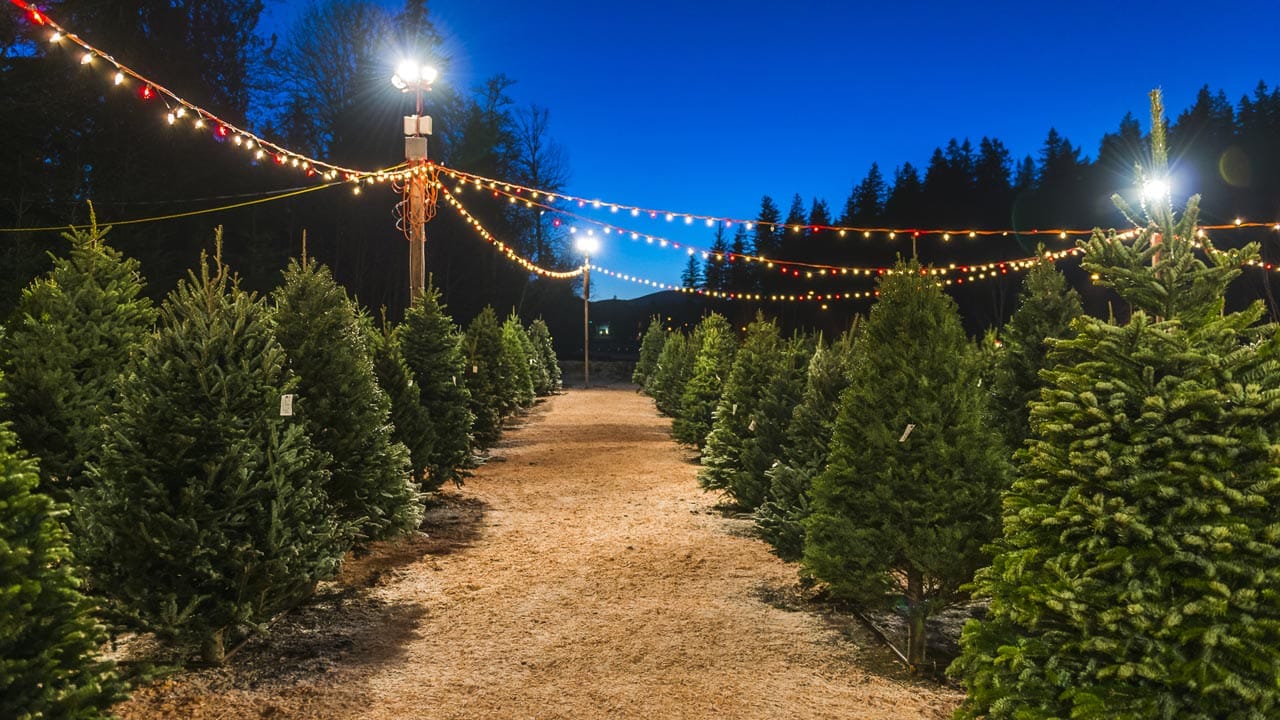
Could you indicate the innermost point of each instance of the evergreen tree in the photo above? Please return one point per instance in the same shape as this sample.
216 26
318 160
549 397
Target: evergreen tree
716 344
767 232
541 337
781 517
342 406
433 351
739 269
516 364
71 336
1134 576
411 424
715 271
49 640
650 348
539 378
675 365
1047 308
911 492
691 276
207 514
751 418
491 399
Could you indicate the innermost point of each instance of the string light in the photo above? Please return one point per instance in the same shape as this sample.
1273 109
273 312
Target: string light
794 269
151 89
501 246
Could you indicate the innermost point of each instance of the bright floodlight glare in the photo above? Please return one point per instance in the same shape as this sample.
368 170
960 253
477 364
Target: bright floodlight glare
588 244
407 70
428 74
1155 189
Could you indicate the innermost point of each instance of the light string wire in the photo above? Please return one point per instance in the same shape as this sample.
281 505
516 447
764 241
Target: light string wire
519 190
175 216
503 247
260 146
786 267
810 295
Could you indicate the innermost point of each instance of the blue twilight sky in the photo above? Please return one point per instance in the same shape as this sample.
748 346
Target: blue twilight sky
703 106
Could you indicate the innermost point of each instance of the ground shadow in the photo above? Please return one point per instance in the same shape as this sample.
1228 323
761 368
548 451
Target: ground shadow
344 626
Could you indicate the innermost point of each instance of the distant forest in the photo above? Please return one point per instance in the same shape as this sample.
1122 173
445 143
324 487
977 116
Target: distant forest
321 87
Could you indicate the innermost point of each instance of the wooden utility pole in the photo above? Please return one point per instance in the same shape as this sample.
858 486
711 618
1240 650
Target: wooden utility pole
416 129
586 332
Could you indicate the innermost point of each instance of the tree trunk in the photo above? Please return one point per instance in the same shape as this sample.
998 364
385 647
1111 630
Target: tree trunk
915 620
213 652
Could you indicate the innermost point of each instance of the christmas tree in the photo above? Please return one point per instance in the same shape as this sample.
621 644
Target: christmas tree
714 358
492 398
70 337
433 351
539 375
541 337
1135 576
411 425
666 384
1047 308
911 492
207 514
751 418
650 348
339 401
517 362
49 641
781 516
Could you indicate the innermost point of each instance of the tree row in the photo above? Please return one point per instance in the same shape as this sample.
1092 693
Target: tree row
194 469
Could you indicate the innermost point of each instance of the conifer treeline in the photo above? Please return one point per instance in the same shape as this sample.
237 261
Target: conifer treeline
219 455
1228 154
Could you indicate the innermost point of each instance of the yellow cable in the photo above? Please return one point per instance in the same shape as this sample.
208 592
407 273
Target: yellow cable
175 216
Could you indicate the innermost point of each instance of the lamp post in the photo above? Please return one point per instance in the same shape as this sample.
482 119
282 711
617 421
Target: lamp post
587 244
414 76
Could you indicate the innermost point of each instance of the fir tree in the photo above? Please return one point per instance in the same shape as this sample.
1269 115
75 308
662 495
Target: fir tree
517 363
751 418
411 424
539 376
650 348
71 336
491 396
691 276
541 337
207 514
781 516
717 343
342 406
1046 311
49 641
675 364
911 492
1135 575
433 351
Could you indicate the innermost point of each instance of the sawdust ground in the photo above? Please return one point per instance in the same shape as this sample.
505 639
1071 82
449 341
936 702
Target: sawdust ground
581 573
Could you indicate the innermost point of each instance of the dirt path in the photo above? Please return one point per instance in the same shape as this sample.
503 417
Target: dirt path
580 574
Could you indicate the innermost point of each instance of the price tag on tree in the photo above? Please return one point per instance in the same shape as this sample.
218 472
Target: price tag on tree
286 405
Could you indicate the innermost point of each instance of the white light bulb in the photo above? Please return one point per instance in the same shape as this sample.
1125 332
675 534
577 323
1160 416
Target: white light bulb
1155 189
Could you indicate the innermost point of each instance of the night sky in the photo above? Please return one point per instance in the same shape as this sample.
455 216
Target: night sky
704 106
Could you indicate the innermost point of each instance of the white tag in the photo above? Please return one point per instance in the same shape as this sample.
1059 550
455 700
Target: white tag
735 409
752 426
455 379
286 405
475 369
979 382
905 433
